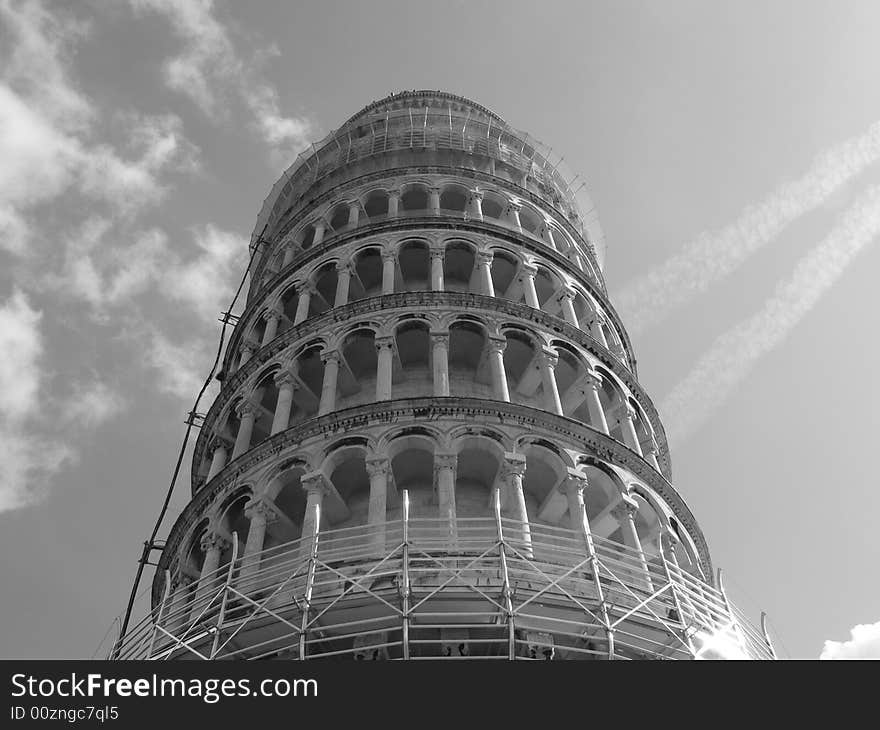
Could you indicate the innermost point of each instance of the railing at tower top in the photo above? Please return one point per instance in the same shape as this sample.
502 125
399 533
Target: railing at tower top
437 129
420 587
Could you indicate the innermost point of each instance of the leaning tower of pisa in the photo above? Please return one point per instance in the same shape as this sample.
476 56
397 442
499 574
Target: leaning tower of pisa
430 439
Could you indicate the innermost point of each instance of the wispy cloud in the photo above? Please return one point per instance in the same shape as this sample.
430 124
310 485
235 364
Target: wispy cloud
210 71
47 131
27 461
864 643
733 354
713 255
92 404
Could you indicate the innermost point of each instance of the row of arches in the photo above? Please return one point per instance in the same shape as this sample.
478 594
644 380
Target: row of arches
416 355
357 481
454 264
409 197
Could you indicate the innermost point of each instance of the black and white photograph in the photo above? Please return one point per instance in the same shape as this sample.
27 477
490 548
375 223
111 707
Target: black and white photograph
471 330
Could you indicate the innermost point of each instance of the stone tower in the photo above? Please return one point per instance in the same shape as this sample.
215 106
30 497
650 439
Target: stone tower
430 438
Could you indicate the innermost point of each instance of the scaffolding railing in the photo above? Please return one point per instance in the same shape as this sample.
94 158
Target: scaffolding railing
483 588
438 129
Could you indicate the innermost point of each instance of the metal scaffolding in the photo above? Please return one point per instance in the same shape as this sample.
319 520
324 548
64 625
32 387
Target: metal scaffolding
478 588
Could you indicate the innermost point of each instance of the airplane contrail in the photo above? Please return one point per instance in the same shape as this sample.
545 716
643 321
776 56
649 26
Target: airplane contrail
734 353
713 255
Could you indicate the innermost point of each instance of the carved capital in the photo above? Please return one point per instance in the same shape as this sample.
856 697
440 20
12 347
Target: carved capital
260 510
245 408
477 194
378 466
389 256
548 358
274 312
567 293
220 443
285 377
514 206
527 270
497 345
514 465
343 267
574 483
437 252
624 509
439 338
445 461
213 541
314 483
484 258
385 341
329 355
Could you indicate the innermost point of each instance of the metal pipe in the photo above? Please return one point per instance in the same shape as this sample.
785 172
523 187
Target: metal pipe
404 595
505 577
223 601
310 581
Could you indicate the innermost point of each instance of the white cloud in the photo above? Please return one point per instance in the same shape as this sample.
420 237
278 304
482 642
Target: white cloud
28 459
180 369
713 255
47 130
734 353
92 404
22 346
206 281
863 644
209 70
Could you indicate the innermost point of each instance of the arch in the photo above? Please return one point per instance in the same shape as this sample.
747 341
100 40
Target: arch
324 280
414 265
366 279
376 204
411 373
505 274
521 367
338 217
308 373
469 372
458 266
454 198
414 197
494 205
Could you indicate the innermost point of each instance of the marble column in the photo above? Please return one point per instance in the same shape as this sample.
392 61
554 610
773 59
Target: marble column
475 204
437 255
315 488
527 276
378 469
440 361
272 317
384 366
260 513
247 414
343 282
393 203
483 261
513 468
212 544
497 346
445 466
593 385
286 385
218 458
328 386
305 291
389 266
625 513
547 360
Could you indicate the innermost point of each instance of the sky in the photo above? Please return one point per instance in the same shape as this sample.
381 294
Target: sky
731 150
